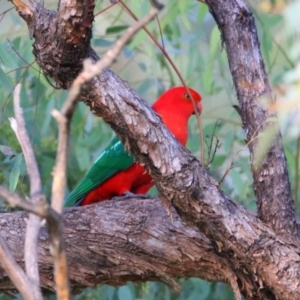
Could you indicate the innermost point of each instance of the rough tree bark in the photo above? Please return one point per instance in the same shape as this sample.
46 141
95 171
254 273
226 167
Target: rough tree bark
233 245
121 240
271 182
135 239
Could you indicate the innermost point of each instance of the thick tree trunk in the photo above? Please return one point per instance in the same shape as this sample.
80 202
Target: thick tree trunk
135 239
117 241
271 182
232 245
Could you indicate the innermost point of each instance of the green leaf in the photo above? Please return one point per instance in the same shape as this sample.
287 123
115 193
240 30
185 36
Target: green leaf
138 39
83 158
116 29
14 178
203 10
273 20
228 142
5 81
214 43
7 59
237 179
185 20
207 80
267 45
219 160
103 42
142 66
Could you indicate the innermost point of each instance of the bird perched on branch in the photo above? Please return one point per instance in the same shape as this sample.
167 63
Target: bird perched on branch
115 173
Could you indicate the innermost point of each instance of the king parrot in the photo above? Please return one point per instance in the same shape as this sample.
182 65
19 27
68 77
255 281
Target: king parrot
114 172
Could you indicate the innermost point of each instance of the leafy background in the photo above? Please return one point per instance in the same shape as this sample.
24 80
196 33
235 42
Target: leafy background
192 39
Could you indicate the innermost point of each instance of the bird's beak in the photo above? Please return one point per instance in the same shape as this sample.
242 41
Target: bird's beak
198 108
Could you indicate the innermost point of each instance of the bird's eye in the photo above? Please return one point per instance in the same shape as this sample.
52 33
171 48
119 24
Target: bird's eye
187 96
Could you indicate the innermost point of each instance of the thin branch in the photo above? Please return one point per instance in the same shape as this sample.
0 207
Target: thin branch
33 225
15 273
19 128
253 138
210 157
41 209
16 201
2 15
19 80
20 56
105 9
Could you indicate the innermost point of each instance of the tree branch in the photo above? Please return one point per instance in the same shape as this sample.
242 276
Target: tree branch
271 182
15 201
15 273
116 241
40 207
33 225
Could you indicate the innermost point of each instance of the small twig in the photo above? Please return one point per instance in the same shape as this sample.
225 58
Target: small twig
253 138
210 155
160 32
105 9
20 56
33 225
15 273
19 79
4 13
212 137
231 165
211 158
216 147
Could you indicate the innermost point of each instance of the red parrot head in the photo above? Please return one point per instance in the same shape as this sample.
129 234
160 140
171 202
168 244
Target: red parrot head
175 106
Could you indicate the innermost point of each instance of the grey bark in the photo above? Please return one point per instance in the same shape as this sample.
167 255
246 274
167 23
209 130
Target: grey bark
271 182
135 239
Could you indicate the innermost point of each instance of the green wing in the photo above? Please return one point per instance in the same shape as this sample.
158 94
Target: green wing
114 158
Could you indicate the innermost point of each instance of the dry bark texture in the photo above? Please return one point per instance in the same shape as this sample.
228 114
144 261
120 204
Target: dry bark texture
121 240
271 183
134 239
